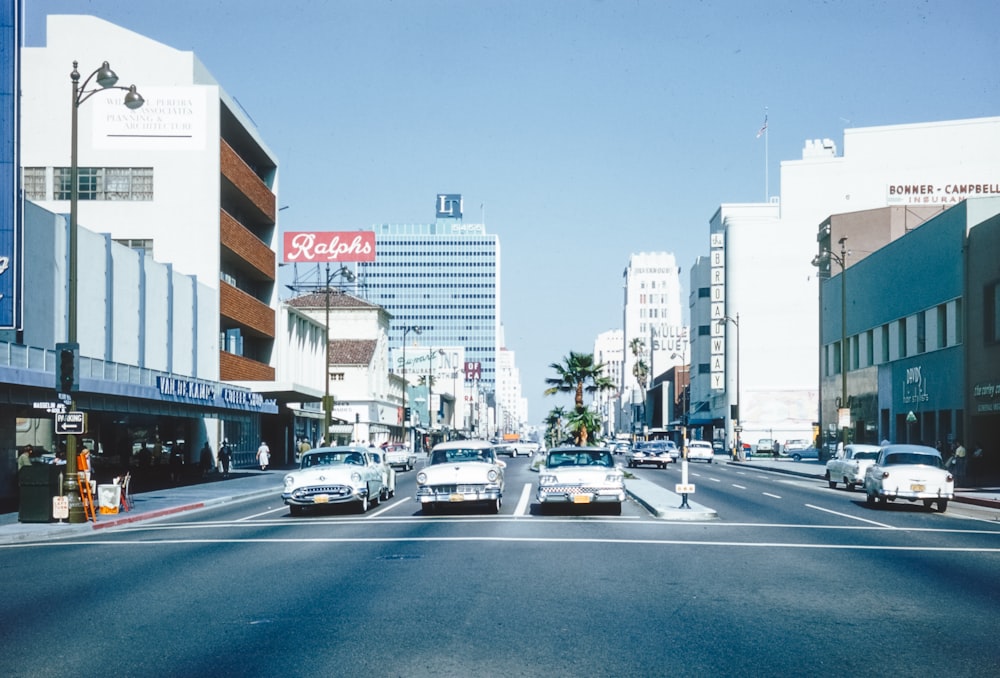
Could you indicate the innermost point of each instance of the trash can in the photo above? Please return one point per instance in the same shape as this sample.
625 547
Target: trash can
38 484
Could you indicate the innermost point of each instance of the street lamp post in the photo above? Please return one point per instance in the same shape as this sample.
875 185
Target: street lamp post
822 259
406 384
737 429
105 79
327 400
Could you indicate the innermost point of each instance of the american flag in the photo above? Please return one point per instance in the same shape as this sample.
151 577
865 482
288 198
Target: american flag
763 128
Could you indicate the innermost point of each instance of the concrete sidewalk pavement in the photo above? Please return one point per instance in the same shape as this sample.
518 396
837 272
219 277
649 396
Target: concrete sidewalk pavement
242 484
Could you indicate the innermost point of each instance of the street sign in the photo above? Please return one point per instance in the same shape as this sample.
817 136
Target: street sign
60 507
71 423
683 489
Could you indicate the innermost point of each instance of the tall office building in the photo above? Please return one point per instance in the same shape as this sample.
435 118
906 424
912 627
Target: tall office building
653 322
443 277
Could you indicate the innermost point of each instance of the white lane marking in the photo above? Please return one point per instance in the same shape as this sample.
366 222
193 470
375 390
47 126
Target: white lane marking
522 503
846 515
388 507
740 487
263 513
773 496
511 540
715 480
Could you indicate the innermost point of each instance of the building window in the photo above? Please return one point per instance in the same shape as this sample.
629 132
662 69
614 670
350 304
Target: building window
105 183
942 326
959 335
921 332
884 344
33 181
902 338
991 313
143 246
869 348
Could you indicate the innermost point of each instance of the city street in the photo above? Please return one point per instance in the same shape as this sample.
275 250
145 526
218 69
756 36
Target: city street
793 578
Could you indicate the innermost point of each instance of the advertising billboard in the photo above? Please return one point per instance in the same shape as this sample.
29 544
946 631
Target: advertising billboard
311 247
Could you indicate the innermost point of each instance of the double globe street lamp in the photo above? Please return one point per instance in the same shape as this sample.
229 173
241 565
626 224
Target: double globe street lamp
822 261
105 79
406 412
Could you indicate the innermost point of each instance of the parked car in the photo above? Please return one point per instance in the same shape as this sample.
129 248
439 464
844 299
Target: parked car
672 449
462 471
911 472
700 450
809 452
849 467
581 475
401 457
792 446
331 475
764 446
651 453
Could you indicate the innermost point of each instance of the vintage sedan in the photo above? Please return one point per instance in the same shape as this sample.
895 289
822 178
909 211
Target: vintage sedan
460 472
654 453
334 475
381 460
911 472
700 450
850 465
401 457
581 475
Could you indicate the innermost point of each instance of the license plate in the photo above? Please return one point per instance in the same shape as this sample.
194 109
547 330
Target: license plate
321 498
916 488
456 497
581 499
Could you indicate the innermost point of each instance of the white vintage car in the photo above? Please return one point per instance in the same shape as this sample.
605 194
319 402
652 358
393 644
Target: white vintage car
401 457
381 460
461 471
700 450
581 475
849 466
911 472
331 475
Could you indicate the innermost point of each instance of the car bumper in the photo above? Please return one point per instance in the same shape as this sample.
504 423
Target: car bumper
329 494
913 495
455 494
577 494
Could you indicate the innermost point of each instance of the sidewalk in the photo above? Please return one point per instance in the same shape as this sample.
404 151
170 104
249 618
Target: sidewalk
988 497
241 484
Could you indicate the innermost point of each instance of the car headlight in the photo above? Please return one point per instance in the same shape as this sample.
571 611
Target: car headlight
613 478
547 480
356 477
289 482
421 478
492 475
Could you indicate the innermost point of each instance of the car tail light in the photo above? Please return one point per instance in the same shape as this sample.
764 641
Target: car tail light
885 474
950 478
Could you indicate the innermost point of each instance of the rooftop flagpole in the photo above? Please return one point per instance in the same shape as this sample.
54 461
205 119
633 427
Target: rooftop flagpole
763 130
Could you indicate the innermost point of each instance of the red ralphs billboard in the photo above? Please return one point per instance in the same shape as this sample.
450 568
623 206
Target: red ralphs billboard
326 246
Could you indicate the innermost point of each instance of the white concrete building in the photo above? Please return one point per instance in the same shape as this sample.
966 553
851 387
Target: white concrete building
609 350
653 317
760 264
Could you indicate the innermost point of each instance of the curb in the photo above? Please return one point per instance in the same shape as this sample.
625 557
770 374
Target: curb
665 504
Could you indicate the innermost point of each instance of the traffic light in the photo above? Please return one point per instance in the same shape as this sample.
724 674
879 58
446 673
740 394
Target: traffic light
67 367
406 415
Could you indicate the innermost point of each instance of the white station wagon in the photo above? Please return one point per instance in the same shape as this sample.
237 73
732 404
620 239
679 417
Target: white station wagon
911 472
461 471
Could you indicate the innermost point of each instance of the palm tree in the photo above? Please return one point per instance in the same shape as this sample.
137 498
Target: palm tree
579 374
640 370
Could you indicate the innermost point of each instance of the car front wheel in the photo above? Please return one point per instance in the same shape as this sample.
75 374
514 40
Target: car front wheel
363 504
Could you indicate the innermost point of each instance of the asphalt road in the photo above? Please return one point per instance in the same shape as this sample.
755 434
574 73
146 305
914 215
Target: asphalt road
793 578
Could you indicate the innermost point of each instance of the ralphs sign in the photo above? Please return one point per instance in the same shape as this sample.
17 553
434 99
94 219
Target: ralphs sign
324 246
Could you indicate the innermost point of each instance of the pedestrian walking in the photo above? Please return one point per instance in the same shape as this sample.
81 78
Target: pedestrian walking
959 461
225 458
206 459
263 456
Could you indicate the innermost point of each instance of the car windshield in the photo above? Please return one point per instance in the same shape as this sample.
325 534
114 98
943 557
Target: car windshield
460 455
866 455
333 459
573 458
898 458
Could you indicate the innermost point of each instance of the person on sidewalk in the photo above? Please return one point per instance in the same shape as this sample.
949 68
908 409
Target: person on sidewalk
24 459
263 456
206 459
225 458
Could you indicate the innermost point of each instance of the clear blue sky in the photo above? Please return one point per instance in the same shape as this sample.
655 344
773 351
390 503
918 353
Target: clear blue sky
589 129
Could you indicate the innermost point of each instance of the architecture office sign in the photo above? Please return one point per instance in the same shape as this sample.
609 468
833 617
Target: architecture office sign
717 301
325 247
